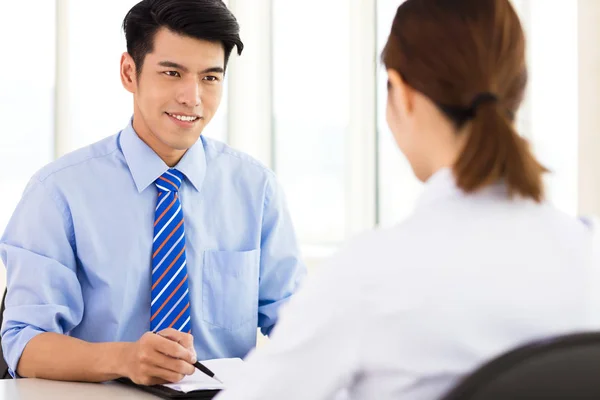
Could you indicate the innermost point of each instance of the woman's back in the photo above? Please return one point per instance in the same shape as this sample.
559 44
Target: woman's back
482 266
464 279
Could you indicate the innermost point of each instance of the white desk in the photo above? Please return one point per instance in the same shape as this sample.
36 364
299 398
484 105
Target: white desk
38 389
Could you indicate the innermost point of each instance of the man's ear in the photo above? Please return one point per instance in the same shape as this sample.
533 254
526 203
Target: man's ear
128 73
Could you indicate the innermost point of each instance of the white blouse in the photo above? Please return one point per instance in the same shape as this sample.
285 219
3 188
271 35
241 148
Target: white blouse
404 313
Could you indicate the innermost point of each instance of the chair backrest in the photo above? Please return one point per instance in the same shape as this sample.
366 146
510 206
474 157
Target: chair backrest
3 366
566 367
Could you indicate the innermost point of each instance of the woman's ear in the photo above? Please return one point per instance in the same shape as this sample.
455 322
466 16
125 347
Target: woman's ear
400 94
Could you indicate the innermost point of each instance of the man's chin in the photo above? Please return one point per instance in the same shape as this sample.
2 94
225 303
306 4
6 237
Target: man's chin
183 145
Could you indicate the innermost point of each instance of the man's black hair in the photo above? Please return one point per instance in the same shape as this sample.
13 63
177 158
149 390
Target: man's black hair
201 19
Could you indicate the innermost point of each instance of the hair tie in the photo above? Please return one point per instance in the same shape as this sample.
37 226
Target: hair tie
481 98
461 115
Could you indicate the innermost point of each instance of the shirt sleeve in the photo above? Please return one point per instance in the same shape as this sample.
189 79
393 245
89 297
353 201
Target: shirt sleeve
38 250
315 350
281 269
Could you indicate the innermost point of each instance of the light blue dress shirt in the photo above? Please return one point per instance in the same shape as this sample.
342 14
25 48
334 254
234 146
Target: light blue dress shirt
78 247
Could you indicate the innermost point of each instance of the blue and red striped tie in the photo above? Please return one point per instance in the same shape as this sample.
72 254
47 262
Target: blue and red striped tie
170 307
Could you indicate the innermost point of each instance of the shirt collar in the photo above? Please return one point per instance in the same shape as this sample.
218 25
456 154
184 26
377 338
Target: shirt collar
146 166
442 184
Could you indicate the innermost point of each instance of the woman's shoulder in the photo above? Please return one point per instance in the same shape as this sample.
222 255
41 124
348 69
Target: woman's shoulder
380 246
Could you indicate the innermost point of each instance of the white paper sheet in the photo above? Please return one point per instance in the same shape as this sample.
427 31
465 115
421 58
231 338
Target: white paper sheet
225 369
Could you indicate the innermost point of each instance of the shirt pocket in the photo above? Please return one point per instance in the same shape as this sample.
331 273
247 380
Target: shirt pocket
230 288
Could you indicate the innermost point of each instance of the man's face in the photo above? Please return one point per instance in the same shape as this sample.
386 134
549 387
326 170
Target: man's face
177 92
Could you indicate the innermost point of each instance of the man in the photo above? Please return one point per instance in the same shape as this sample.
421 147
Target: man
140 253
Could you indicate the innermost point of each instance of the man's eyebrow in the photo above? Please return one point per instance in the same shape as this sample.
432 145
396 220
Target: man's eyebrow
171 64
217 70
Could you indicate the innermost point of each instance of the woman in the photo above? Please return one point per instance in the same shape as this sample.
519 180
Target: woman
484 264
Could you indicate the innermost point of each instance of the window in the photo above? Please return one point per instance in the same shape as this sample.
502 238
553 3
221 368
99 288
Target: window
398 189
26 99
97 104
551 107
307 98
310 110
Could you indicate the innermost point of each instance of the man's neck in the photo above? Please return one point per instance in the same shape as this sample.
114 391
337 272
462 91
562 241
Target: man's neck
169 156
172 159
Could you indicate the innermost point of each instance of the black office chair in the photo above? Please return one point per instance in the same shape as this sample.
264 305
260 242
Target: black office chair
566 367
3 366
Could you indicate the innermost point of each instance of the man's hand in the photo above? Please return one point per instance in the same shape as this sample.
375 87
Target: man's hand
160 358
184 339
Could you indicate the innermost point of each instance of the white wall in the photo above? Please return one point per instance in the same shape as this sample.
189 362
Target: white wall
589 106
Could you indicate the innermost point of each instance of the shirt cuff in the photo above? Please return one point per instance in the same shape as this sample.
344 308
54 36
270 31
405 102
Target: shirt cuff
13 344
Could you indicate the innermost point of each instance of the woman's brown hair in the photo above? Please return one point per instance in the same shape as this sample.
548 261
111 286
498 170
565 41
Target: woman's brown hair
468 57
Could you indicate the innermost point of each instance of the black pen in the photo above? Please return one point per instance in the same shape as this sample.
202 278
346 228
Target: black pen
207 371
198 365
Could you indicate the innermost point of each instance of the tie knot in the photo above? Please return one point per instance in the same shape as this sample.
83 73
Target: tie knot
170 181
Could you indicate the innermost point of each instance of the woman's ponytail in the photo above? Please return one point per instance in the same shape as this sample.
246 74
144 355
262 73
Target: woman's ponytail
494 151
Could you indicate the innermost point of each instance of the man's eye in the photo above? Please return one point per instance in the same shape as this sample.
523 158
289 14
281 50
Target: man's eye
211 78
172 73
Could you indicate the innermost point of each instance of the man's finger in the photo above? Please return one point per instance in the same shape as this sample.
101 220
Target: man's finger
172 364
162 374
171 348
184 339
